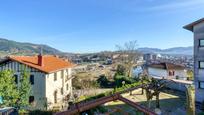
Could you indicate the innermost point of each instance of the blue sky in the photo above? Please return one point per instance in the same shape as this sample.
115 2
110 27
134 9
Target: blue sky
98 25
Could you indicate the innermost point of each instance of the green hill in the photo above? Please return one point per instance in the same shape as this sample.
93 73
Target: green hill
9 47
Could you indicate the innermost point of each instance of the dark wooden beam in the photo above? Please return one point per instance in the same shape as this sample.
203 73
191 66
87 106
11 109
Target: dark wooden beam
137 106
83 106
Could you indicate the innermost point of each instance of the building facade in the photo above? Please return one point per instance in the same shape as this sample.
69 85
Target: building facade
50 78
167 71
197 28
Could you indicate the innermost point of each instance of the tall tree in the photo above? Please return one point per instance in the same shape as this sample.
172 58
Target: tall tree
24 89
15 95
8 88
128 55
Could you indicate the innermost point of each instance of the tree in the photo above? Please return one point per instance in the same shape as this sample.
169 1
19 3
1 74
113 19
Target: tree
128 56
144 79
153 88
14 95
103 81
24 89
190 98
190 75
120 70
8 89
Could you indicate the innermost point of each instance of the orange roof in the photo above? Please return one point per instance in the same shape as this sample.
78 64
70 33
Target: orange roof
50 63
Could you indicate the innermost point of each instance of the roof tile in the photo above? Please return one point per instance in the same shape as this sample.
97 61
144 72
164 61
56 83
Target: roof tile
50 63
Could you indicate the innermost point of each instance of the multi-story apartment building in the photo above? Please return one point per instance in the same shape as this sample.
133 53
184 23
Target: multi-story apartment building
197 28
50 78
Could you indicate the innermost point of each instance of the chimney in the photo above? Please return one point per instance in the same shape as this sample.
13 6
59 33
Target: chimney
40 60
56 56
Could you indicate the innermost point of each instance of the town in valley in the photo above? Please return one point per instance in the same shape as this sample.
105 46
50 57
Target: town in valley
92 59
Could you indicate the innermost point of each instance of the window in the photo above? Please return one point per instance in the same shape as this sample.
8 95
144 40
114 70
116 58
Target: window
55 97
16 79
31 99
62 91
55 76
201 42
201 84
171 73
31 79
201 64
62 74
67 86
67 77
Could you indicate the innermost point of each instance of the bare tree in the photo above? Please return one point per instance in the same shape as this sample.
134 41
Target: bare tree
128 55
153 88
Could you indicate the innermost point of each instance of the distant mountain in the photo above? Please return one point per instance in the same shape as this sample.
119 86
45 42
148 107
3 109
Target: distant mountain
9 47
18 48
172 51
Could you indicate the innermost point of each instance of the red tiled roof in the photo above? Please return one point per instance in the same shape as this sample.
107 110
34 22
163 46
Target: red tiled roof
50 63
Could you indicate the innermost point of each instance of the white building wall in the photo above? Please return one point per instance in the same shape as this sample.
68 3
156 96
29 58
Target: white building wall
164 73
157 72
52 86
182 74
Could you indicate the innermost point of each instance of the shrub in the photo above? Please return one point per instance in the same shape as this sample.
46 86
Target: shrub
202 106
103 81
116 90
35 112
190 75
119 79
76 83
121 70
97 110
84 83
202 113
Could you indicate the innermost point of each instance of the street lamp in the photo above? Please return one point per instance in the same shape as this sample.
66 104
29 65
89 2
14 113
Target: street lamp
123 82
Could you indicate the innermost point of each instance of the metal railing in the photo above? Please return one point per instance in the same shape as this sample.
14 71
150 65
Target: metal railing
8 111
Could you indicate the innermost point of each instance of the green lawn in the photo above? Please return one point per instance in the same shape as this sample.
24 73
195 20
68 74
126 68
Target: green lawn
170 103
122 108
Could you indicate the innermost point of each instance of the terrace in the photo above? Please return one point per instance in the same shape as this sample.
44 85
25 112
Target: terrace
122 102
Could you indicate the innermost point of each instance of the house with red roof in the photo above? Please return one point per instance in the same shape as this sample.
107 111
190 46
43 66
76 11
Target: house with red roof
50 78
167 70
